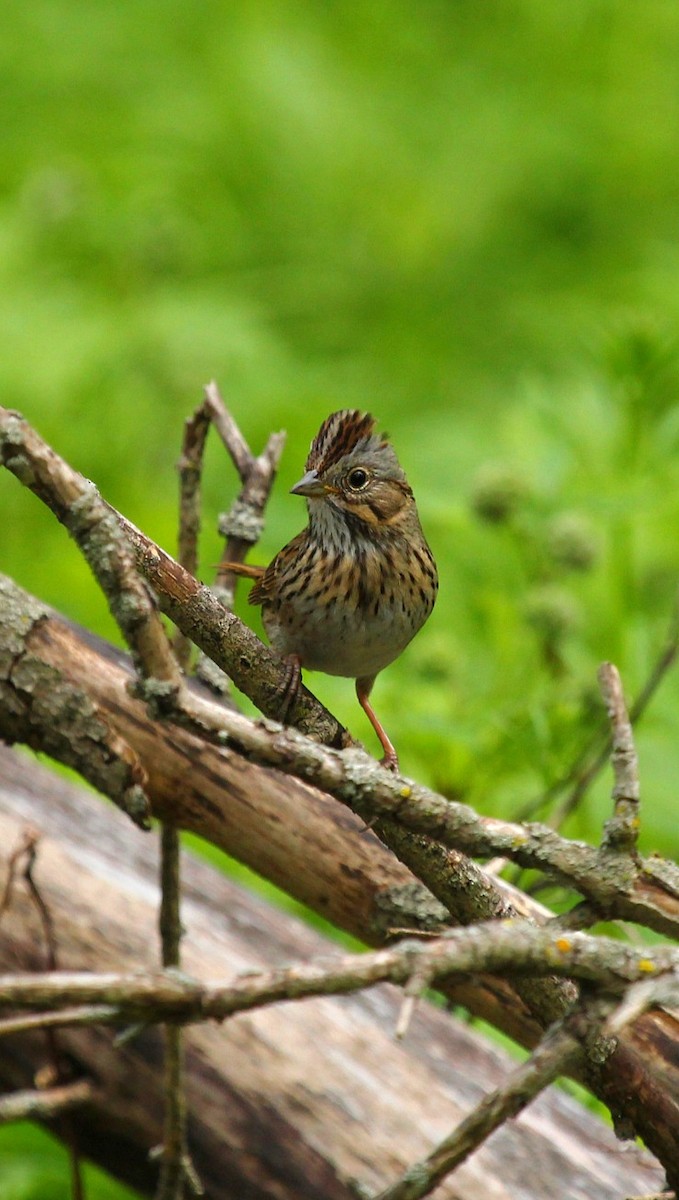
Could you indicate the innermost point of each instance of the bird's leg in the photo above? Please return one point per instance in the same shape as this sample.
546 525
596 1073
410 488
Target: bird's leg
363 689
288 688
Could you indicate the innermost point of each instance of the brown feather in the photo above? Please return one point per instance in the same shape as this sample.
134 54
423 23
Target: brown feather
244 569
339 434
268 579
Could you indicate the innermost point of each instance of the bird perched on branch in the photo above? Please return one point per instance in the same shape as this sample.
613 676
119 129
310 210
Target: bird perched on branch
352 589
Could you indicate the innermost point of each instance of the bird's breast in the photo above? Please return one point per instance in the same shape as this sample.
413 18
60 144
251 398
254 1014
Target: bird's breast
349 619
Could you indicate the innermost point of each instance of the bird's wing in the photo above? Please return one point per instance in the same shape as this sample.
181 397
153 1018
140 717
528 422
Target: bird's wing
285 560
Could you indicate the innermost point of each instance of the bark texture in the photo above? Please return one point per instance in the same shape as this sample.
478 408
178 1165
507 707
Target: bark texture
52 676
298 1100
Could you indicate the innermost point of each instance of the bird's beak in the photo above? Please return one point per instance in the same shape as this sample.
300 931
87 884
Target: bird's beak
310 485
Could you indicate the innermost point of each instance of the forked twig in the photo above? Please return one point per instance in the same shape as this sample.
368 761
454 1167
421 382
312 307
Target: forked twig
242 524
25 853
80 1014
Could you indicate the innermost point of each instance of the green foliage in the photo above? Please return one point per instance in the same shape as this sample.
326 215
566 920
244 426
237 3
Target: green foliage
33 1166
462 216
576 566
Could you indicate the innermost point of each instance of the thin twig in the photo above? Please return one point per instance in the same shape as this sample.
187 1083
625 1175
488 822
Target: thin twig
241 526
176 1167
45 1104
228 430
622 830
175 1170
26 845
28 848
40 904
190 467
492 947
671 1195
643 996
81 1014
415 987
593 758
558 1051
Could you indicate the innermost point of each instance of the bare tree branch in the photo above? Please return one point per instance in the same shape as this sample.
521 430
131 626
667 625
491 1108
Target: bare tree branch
56 1075
45 1103
647 892
612 884
263 818
176 1169
192 606
493 947
295 1100
558 1050
622 831
242 525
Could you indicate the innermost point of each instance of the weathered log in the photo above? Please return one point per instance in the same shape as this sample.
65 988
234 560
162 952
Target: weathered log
297 1100
303 840
63 679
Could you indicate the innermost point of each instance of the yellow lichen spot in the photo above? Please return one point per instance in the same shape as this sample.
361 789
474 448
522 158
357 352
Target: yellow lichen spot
405 792
647 966
563 945
519 840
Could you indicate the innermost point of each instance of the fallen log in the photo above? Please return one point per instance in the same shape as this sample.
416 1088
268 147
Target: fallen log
305 1099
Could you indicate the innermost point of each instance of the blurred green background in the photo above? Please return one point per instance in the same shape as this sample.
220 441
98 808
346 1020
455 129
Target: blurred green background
462 216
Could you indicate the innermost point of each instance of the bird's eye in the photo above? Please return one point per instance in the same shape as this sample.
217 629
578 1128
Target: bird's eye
358 479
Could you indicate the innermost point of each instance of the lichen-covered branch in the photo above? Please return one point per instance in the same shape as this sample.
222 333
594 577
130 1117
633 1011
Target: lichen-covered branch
622 831
647 891
272 1112
612 879
493 948
193 607
40 708
639 892
254 668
